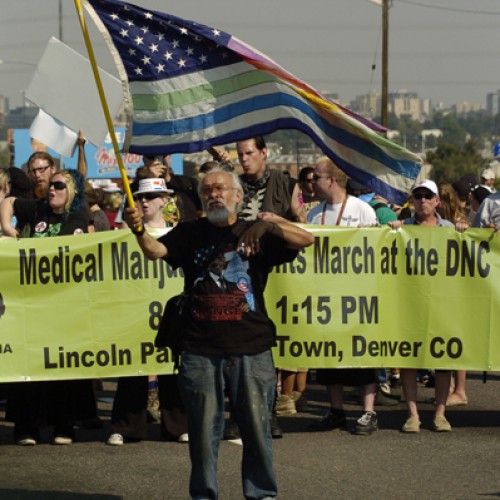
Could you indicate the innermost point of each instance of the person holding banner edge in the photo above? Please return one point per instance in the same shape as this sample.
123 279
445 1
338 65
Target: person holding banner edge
229 346
32 405
426 200
340 209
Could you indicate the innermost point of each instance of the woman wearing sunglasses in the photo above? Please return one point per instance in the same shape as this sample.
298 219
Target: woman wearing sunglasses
34 405
152 197
136 398
60 213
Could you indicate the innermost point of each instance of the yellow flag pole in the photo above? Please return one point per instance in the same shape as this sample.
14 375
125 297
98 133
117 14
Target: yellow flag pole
104 103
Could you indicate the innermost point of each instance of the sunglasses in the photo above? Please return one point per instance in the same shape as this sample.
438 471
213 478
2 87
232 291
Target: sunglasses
427 195
316 177
58 185
147 196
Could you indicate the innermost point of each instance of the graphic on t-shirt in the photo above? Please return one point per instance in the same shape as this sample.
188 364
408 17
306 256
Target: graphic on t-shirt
224 291
171 211
252 206
41 230
236 271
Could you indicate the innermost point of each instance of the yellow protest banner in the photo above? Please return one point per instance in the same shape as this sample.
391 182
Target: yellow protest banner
419 297
88 306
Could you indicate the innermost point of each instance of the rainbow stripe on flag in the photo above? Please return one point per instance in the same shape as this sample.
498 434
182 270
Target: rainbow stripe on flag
189 86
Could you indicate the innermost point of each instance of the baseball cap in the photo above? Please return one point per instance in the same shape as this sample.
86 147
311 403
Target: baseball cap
427 184
487 173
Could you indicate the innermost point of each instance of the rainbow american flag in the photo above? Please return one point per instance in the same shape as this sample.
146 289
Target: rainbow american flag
189 86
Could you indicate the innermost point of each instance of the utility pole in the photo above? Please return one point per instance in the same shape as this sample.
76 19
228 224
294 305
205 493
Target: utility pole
60 21
385 4
385 62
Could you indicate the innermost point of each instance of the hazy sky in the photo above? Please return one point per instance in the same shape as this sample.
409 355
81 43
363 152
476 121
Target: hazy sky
445 50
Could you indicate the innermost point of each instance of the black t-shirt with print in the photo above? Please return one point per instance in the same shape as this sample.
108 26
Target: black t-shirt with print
227 310
35 219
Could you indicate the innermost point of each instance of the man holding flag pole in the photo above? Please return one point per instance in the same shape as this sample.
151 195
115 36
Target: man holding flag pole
227 334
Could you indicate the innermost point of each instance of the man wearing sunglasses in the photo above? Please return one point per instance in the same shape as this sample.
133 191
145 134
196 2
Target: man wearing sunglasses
339 209
306 184
425 195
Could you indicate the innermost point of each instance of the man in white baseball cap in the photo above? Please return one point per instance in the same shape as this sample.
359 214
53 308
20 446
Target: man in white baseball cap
426 184
425 196
488 179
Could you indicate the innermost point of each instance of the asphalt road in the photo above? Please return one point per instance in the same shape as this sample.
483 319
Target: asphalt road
463 464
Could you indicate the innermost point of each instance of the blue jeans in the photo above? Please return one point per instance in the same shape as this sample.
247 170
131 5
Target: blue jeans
251 385
382 376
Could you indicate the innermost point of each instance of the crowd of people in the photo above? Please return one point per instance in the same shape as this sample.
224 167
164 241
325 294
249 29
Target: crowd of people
226 231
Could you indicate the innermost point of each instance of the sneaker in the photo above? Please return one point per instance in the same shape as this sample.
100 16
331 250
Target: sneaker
385 388
26 441
231 430
411 426
62 440
285 405
334 419
440 424
153 408
366 424
115 440
276 430
183 438
300 401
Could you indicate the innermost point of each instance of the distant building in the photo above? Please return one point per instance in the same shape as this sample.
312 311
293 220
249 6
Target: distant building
368 105
464 107
4 109
405 103
401 103
21 117
493 103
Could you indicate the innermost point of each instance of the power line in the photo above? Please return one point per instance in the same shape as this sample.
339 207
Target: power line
450 9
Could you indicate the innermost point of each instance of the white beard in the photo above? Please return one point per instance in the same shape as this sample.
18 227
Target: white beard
217 215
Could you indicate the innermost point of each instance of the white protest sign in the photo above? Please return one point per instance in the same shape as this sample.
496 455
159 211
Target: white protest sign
64 87
54 134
